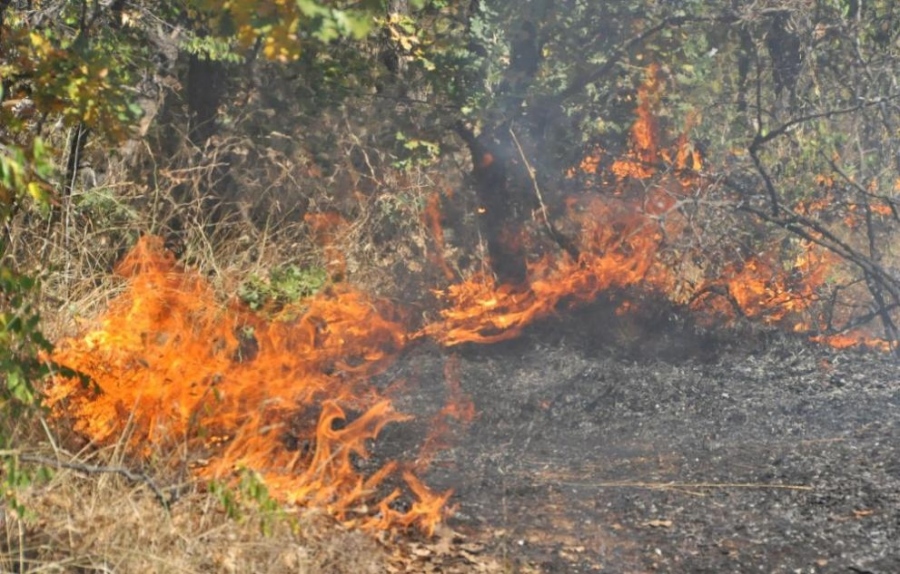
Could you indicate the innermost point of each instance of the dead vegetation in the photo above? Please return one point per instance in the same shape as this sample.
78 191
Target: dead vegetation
103 523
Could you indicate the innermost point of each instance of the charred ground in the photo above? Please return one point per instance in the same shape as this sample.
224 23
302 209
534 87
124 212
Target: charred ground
635 444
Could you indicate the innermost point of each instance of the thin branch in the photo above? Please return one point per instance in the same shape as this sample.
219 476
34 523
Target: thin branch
561 240
130 475
861 320
534 183
890 201
761 139
698 485
815 232
767 179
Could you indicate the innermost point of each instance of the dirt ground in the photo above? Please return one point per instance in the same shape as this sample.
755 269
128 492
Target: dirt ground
641 444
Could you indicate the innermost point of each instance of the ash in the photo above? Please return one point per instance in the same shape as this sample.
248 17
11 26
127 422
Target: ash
633 444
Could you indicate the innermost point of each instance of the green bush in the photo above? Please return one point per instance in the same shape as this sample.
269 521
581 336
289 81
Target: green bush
21 341
283 285
22 363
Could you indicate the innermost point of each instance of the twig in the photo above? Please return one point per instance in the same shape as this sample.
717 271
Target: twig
623 49
688 485
534 183
561 240
765 137
128 474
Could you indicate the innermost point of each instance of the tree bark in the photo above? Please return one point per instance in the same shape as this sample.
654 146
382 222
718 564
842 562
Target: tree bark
499 209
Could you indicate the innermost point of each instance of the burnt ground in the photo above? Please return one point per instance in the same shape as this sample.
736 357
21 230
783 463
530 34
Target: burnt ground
641 444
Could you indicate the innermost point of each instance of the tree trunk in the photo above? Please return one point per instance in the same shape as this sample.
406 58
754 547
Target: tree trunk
500 209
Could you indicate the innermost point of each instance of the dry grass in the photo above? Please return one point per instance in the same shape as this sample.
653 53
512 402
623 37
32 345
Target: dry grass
101 523
82 517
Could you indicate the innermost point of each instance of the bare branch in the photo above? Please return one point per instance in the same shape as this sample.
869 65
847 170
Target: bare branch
135 477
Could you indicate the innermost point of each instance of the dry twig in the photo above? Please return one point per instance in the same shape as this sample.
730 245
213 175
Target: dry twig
128 474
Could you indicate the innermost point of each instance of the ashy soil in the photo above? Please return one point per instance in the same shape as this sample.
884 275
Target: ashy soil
644 444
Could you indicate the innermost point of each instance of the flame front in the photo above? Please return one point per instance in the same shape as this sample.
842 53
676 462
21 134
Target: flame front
175 372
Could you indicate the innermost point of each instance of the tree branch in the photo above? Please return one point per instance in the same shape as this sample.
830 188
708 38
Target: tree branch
88 469
761 139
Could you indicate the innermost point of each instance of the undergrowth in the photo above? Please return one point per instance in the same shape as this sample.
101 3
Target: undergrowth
61 509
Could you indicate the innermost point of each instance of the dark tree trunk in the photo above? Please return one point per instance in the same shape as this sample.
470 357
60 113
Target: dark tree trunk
500 209
4 4
505 170
786 53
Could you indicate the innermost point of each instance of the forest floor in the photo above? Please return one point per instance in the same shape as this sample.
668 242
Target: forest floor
609 444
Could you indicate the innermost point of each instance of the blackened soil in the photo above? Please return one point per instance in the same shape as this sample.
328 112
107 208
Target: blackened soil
610 444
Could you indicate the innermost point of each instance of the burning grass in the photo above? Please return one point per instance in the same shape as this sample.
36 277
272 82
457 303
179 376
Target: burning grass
222 391
219 389
194 386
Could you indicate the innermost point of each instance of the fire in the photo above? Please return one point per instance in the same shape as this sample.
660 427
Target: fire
622 241
432 218
227 390
222 389
619 249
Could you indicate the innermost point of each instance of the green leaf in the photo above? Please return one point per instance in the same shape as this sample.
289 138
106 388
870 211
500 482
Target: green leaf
312 9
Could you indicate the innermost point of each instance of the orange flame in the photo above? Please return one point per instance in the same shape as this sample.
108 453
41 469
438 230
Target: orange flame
432 217
234 391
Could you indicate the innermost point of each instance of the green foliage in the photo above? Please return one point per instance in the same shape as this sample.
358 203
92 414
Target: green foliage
25 172
14 476
249 497
283 285
212 48
282 27
22 364
21 341
71 76
418 152
105 208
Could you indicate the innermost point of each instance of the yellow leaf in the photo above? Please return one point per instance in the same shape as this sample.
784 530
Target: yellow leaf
37 192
